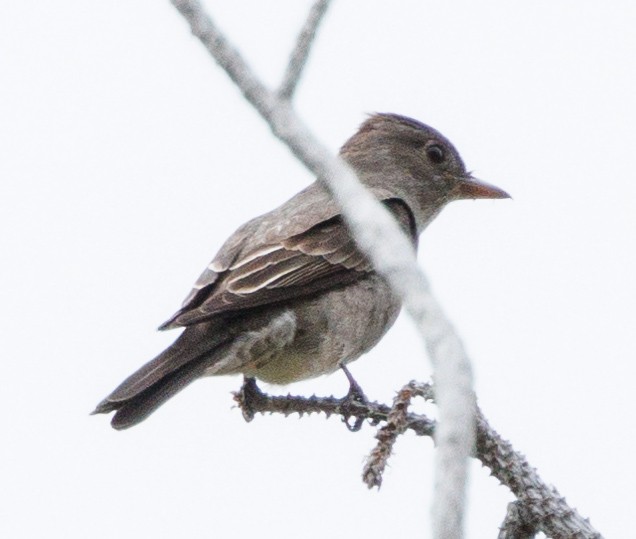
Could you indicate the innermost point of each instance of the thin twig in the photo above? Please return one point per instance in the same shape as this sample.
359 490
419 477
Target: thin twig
251 400
396 424
299 55
517 524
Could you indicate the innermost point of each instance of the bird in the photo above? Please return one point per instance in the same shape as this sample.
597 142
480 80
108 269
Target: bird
289 296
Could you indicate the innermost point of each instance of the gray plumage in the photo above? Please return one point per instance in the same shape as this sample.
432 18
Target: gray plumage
289 296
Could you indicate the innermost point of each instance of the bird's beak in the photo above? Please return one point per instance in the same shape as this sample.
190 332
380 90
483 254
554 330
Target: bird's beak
469 187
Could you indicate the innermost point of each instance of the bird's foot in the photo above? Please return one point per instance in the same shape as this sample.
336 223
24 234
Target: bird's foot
354 396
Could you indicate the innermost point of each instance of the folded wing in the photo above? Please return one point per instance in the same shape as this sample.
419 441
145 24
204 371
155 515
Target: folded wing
320 258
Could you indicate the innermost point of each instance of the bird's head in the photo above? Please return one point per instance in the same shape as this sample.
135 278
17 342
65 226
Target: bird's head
414 162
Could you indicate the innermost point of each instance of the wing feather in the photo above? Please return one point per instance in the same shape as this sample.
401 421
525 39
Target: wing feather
254 281
322 257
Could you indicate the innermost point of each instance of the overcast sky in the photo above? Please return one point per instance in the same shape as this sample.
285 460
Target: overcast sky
127 157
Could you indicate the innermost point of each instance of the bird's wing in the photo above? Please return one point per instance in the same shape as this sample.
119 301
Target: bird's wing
320 258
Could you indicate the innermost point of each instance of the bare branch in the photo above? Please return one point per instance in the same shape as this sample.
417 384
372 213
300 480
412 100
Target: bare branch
299 55
543 506
396 424
392 255
227 57
251 400
517 524
540 507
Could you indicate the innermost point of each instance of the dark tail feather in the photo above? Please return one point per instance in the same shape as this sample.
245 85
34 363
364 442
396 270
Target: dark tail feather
137 408
159 379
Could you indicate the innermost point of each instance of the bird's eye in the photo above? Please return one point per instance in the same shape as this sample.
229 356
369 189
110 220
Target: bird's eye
436 153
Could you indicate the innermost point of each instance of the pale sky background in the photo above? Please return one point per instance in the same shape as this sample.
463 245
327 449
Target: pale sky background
127 157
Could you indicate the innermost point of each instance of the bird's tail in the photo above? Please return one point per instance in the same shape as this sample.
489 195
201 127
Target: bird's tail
161 378
133 410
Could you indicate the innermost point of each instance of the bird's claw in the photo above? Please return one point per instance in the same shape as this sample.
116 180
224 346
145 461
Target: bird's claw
348 403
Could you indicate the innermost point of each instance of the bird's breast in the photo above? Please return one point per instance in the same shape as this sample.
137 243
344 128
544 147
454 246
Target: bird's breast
332 328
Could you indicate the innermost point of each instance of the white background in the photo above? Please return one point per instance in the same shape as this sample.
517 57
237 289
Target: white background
127 157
